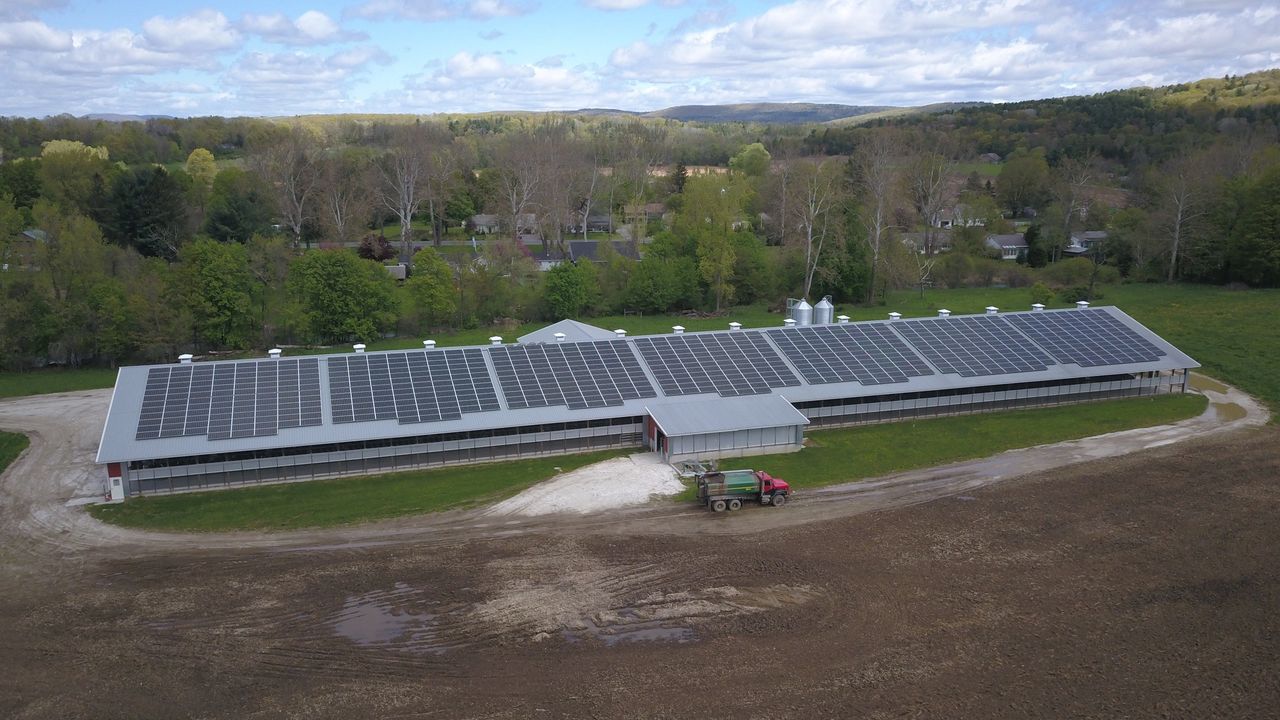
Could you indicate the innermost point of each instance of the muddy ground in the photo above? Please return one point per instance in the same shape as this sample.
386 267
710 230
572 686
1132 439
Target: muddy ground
1143 586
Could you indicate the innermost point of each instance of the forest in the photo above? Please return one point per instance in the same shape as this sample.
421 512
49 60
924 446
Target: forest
130 242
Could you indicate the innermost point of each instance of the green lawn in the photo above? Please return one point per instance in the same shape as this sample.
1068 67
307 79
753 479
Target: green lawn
846 454
39 382
11 446
324 503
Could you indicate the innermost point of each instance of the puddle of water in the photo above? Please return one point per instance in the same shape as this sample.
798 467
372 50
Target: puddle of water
629 628
1200 382
966 498
612 635
379 619
1228 412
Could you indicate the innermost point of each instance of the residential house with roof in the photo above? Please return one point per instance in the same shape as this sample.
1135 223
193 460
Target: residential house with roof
1011 246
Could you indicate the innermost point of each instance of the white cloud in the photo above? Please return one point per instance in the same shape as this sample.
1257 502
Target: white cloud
310 28
615 4
201 31
439 10
468 80
27 9
33 35
919 51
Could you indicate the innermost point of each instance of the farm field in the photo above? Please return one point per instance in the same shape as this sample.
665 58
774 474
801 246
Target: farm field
1157 571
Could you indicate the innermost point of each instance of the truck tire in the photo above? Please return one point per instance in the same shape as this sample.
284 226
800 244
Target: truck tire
717 506
735 504
779 500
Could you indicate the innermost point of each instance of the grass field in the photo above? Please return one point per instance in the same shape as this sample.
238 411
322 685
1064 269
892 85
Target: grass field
324 503
40 382
11 446
846 454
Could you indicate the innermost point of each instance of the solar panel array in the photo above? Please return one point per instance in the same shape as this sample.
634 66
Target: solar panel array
579 375
973 346
868 353
731 363
258 398
411 387
230 400
1087 338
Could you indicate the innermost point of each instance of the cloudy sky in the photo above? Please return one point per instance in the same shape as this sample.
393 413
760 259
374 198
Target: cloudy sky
231 57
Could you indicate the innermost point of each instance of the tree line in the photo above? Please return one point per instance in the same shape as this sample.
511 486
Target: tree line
273 233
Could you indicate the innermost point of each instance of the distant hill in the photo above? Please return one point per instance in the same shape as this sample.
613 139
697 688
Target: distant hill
113 117
896 112
1255 88
765 112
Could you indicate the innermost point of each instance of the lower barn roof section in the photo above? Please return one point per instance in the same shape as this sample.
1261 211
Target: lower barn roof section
119 443
712 414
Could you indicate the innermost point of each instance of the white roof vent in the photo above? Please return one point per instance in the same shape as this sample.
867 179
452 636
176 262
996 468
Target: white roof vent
677 329
1082 304
359 347
895 316
788 323
735 325
842 319
944 313
495 340
274 353
428 344
185 358
559 337
1037 307
620 333
992 310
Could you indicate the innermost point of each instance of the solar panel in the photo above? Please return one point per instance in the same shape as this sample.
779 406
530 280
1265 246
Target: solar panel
867 353
410 387
1088 338
972 346
579 375
240 399
730 363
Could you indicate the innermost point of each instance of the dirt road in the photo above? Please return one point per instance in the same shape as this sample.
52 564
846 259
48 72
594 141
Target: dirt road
1141 585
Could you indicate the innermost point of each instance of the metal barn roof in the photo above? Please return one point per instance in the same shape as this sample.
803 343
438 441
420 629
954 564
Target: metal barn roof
573 330
938 363
711 413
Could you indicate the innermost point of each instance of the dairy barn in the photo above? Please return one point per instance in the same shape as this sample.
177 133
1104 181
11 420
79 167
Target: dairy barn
573 387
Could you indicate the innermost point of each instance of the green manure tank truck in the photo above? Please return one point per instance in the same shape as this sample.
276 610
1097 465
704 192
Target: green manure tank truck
728 489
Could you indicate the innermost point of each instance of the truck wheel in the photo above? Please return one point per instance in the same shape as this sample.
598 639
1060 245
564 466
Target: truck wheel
718 506
779 500
735 504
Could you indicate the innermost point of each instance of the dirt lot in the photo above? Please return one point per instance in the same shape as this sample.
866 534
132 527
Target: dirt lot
1145 586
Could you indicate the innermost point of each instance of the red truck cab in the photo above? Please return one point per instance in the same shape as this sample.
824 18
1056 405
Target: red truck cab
770 484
